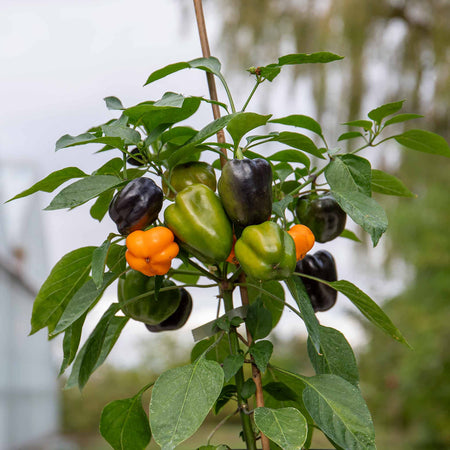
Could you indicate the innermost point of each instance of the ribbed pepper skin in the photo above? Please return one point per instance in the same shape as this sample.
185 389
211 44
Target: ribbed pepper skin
245 188
147 309
136 206
199 222
321 265
266 252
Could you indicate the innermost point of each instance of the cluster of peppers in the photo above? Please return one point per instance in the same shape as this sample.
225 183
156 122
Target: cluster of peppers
232 226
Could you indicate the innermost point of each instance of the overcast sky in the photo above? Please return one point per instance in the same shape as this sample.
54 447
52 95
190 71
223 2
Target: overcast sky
58 60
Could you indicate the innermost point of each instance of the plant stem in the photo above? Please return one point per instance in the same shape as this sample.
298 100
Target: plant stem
258 82
247 428
256 374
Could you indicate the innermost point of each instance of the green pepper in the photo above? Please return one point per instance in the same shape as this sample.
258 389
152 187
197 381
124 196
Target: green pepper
187 174
200 223
322 214
266 252
148 308
245 188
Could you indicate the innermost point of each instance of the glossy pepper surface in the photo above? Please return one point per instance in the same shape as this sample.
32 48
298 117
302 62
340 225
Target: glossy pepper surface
136 206
321 265
184 175
303 238
245 188
151 252
148 308
322 214
176 320
266 252
198 220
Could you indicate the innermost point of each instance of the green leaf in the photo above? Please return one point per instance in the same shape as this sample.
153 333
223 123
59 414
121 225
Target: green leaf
210 64
349 173
71 342
349 135
112 167
97 347
378 114
293 156
228 392
261 352
244 122
424 141
66 277
119 130
336 356
184 278
116 258
99 262
82 301
339 411
274 289
298 141
113 103
171 100
101 205
181 400
217 353
300 121
388 184
231 364
365 211
178 135
279 207
366 124
124 424
52 181
311 58
248 389
402 118
285 426
350 235
298 292
270 71
83 190
258 320
368 308
87 138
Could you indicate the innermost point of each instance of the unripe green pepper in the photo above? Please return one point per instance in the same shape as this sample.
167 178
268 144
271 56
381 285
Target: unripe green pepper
322 214
266 252
148 309
245 188
187 174
199 222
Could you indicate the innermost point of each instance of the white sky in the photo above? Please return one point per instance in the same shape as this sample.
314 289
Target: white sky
58 60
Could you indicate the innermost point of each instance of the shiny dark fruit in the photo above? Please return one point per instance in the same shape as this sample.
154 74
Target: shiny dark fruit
321 265
136 206
323 215
140 161
178 318
245 188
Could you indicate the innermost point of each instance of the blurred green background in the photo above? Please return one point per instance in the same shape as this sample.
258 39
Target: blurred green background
393 50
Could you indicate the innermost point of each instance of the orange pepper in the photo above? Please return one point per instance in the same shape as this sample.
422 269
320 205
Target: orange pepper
151 252
303 238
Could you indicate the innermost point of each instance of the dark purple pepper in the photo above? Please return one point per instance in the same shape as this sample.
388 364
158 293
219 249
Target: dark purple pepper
178 318
321 265
245 189
140 161
136 206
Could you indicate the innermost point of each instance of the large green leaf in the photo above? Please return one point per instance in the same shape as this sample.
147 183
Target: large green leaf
378 114
66 277
365 211
300 121
231 364
88 138
71 342
101 205
299 141
127 134
308 58
124 424
244 122
402 118
52 181
298 292
210 64
339 410
285 426
293 156
181 400
261 352
82 301
366 124
368 308
388 184
335 357
258 320
349 173
83 190
424 141
99 262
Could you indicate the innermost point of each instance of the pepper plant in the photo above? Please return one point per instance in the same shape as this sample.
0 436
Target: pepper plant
250 237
